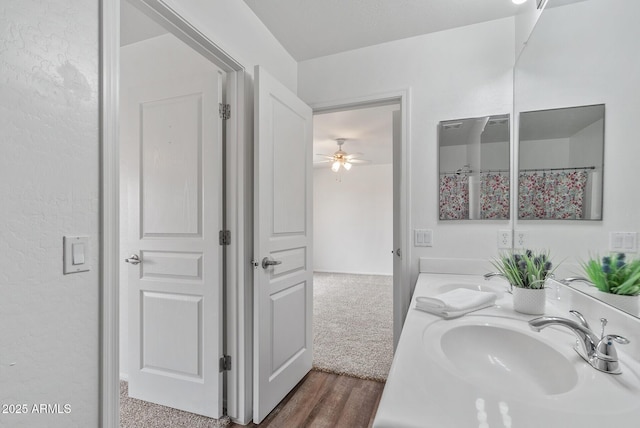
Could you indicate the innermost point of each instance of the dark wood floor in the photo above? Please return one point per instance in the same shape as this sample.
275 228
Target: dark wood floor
326 400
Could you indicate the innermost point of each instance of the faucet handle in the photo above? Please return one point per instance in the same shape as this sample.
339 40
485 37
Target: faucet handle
582 319
620 339
606 351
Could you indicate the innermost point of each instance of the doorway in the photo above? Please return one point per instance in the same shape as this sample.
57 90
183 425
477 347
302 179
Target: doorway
171 200
353 240
233 160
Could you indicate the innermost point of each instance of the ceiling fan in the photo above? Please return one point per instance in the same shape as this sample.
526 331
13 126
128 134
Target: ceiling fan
341 159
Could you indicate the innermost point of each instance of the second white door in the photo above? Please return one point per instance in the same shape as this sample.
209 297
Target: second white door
172 133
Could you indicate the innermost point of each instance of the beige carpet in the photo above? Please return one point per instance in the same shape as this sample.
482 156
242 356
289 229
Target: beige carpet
141 414
353 324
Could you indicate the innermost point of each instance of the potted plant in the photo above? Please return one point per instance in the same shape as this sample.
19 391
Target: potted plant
617 279
527 273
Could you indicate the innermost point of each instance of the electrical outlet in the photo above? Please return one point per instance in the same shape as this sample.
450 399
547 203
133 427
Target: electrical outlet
521 239
505 239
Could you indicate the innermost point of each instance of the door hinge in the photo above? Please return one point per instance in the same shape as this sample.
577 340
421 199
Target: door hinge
225 111
225 363
225 237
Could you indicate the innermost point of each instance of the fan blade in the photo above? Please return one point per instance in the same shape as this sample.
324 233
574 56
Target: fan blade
324 161
359 161
324 156
354 155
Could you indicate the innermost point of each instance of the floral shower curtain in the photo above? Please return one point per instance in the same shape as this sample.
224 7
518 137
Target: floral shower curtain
494 196
454 197
552 195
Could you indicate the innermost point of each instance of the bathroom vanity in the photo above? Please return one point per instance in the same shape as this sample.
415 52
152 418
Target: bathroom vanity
488 368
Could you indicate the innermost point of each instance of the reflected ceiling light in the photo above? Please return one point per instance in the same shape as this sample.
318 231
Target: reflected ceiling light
518 1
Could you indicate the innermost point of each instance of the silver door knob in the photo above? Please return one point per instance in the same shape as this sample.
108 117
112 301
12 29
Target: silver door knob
397 252
266 262
133 259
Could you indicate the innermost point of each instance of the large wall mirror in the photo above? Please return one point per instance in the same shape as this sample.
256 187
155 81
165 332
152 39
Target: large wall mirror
584 53
474 168
560 163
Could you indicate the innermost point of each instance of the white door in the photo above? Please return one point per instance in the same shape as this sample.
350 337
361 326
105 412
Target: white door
175 309
283 292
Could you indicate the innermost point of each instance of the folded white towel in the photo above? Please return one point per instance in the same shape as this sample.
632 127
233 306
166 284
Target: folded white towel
456 302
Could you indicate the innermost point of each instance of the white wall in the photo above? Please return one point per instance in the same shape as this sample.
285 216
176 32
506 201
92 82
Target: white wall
353 220
465 72
49 167
583 54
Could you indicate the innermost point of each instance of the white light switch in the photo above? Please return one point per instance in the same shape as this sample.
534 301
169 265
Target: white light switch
423 237
75 255
626 242
78 254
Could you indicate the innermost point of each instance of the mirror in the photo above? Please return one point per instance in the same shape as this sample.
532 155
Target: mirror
474 168
583 53
560 164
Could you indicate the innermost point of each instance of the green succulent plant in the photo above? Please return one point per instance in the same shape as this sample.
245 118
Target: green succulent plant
614 274
525 270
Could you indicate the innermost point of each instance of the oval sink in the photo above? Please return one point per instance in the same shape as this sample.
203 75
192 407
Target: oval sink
497 356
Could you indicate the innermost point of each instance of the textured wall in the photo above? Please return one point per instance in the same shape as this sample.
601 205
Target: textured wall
49 153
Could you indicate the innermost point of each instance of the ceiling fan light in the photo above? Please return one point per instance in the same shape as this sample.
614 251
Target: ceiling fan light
347 166
335 166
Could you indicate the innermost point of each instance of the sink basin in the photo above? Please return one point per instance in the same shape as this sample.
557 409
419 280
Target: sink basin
501 354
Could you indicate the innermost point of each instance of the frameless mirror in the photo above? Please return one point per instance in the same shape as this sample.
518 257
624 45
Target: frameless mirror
474 168
583 53
560 165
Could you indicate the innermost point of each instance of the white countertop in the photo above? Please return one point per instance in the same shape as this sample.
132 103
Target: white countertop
422 393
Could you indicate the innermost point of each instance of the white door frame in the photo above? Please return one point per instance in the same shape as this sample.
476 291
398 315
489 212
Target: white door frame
401 294
238 405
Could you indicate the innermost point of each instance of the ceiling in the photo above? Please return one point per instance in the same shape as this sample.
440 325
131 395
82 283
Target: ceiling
135 26
558 123
366 130
314 28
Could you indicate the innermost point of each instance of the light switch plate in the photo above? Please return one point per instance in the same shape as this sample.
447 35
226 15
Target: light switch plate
75 254
423 237
625 242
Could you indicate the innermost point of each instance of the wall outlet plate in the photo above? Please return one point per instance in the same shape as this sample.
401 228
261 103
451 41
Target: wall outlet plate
520 239
505 239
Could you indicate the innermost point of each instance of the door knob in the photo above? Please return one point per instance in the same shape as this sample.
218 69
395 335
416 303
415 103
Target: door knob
266 262
397 252
133 259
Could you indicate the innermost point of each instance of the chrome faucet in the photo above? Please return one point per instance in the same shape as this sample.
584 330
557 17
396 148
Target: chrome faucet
599 352
488 276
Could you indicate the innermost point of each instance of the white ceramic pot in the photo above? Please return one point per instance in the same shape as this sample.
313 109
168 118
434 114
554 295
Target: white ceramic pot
529 300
